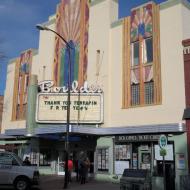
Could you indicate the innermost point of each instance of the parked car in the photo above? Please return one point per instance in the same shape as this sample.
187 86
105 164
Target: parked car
14 172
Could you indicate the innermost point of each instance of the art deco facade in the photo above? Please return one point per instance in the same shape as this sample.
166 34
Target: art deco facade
138 64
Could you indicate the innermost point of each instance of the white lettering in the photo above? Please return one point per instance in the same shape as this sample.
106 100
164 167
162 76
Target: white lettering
48 86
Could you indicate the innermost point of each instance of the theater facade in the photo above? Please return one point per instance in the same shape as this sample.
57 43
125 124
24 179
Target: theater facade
127 89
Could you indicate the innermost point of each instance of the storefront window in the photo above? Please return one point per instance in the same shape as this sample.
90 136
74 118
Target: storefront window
122 152
45 158
103 159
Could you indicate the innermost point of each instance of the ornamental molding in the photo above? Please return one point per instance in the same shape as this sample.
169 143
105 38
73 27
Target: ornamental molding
186 50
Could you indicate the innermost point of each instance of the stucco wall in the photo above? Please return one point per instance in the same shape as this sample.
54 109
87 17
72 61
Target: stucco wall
107 38
172 76
8 101
46 52
101 16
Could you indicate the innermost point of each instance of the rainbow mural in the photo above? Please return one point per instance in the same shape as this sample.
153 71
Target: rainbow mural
72 18
22 77
141 22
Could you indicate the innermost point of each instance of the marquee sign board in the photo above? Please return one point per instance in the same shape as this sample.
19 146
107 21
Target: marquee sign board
84 108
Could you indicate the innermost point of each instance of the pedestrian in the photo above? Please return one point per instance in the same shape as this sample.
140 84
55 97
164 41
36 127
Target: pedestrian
27 161
87 163
70 169
77 170
83 169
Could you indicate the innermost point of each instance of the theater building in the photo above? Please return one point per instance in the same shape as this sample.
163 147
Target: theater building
127 90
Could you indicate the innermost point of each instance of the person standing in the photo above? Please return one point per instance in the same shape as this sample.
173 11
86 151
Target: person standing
27 161
83 169
70 169
87 163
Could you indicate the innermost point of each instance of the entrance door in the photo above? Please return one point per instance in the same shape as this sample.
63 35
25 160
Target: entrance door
60 164
170 175
90 155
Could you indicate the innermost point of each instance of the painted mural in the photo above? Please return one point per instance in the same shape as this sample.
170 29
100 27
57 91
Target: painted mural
22 77
141 55
141 33
141 22
72 20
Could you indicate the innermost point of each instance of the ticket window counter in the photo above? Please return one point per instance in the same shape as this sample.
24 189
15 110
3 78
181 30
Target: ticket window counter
144 157
141 158
133 156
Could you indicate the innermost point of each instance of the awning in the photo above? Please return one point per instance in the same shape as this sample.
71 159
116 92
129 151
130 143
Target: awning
100 131
3 136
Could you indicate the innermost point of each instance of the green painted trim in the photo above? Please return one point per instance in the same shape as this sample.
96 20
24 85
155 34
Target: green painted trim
4 142
116 23
95 2
31 109
171 3
142 5
49 22
35 51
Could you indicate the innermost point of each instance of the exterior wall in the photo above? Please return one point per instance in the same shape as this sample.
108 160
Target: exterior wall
7 122
46 52
109 43
8 101
106 142
173 103
1 110
105 69
102 15
180 144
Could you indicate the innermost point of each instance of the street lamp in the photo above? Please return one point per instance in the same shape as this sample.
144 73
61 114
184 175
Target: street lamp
42 27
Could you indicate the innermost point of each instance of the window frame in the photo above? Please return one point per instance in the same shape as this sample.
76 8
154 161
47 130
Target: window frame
106 170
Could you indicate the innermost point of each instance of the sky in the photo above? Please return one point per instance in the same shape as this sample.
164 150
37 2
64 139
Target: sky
18 19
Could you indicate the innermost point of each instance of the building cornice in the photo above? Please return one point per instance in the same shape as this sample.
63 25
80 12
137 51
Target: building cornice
186 46
186 50
171 3
116 23
95 2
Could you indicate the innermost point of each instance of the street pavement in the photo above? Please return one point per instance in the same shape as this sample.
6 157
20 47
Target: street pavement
54 182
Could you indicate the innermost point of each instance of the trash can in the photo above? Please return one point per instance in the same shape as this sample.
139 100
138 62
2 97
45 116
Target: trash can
135 179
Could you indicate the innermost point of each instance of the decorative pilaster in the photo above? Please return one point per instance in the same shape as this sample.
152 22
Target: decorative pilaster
31 111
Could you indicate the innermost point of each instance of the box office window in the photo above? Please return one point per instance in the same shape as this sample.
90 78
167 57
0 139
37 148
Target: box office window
103 159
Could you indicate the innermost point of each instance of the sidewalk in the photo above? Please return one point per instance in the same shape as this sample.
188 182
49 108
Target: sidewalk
54 182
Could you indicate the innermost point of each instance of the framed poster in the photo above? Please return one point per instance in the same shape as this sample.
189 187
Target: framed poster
169 152
123 152
180 158
120 166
